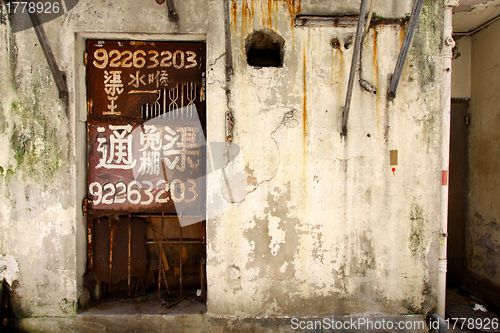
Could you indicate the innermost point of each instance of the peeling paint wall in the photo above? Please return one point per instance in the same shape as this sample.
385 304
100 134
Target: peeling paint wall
461 76
315 225
326 226
471 14
42 159
37 210
483 242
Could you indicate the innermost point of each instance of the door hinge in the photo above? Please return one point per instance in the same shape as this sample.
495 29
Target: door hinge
85 205
467 120
85 59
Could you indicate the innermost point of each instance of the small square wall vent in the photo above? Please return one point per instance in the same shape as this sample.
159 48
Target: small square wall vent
264 48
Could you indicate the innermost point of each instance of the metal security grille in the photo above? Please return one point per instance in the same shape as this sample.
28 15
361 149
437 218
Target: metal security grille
171 102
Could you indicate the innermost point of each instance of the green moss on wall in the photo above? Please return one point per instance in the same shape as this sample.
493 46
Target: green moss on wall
3 14
35 141
3 121
427 44
430 125
416 237
431 22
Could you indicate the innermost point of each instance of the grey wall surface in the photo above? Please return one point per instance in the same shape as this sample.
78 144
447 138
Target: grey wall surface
483 238
315 224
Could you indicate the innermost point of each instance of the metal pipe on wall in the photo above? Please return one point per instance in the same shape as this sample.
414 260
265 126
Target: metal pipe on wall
57 74
449 43
412 26
354 64
229 70
172 12
368 20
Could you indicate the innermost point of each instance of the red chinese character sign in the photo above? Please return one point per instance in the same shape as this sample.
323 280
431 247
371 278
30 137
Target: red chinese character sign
156 166
132 73
145 138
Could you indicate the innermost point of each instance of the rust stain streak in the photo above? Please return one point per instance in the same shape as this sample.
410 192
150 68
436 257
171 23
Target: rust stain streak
129 255
245 18
234 13
304 82
294 6
336 70
339 57
263 10
269 13
333 66
112 233
341 69
402 34
276 15
304 113
336 58
90 242
244 13
138 43
251 12
404 72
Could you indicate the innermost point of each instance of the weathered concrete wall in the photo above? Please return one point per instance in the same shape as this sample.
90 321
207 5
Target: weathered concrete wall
37 214
389 8
319 225
484 212
461 76
327 226
42 159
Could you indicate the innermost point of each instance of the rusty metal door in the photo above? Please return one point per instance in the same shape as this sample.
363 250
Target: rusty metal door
145 153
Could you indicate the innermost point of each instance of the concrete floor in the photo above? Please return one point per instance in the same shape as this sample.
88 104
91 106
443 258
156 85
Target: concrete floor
460 304
149 304
150 314
190 323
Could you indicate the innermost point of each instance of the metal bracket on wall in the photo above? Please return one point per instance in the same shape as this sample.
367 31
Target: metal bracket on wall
403 53
58 75
229 71
354 63
172 13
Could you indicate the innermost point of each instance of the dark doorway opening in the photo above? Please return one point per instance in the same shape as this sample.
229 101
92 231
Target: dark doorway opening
461 300
457 193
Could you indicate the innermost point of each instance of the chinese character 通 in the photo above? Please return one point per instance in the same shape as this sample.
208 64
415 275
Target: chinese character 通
120 148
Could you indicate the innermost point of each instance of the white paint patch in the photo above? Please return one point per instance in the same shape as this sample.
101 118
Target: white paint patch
233 273
253 273
277 235
283 267
39 147
67 279
477 9
9 269
4 152
168 318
